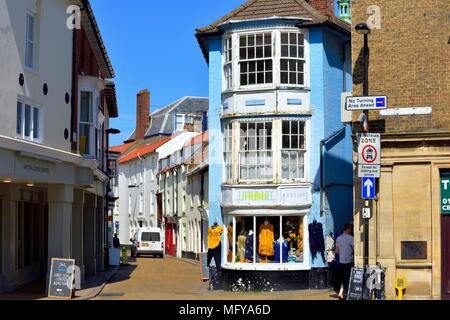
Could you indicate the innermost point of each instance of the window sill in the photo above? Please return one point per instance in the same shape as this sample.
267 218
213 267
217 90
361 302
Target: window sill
36 142
266 266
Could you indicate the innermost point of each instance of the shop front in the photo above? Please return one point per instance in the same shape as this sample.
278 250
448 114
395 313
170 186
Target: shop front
266 243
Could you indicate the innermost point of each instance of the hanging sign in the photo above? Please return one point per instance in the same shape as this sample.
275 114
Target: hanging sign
445 195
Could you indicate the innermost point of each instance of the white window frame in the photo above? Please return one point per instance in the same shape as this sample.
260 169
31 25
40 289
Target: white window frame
141 203
33 107
240 61
228 51
257 151
183 117
276 59
228 151
92 123
292 59
300 150
30 41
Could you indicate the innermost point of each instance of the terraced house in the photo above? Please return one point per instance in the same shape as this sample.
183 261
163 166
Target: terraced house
55 110
280 166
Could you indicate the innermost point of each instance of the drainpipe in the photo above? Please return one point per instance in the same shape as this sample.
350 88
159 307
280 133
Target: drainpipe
344 66
322 186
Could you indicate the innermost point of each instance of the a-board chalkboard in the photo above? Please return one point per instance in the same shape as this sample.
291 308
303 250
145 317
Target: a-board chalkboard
61 275
203 265
356 285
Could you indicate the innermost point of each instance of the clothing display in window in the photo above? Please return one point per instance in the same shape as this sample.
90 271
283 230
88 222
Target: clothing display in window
330 248
215 253
230 242
241 248
214 234
249 247
316 240
266 239
300 238
284 251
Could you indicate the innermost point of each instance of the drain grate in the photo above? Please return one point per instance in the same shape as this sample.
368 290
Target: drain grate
112 294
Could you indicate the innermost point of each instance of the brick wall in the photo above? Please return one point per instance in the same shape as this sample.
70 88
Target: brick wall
409 62
324 6
142 114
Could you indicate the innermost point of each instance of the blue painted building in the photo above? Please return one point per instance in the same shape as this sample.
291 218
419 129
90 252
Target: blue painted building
280 156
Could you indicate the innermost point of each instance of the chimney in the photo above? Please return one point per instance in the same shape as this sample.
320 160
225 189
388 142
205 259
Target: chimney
142 114
325 7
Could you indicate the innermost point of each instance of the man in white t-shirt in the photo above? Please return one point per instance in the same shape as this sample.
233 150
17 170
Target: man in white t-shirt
345 249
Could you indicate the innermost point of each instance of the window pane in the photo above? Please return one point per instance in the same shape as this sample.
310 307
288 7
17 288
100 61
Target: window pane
242 41
19 118
27 120
251 78
269 77
85 138
293 38
259 52
243 53
284 38
30 27
251 53
251 40
267 51
284 77
294 127
286 127
292 78
284 51
259 40
36 123
29 54
86 107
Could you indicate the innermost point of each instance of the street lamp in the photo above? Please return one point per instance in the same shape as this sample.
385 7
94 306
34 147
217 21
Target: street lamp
363 29
107 196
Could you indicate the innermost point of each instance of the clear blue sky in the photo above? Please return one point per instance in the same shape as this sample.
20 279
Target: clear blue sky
152 45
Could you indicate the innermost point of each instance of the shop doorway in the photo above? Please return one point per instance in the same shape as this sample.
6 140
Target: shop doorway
445 223
31 236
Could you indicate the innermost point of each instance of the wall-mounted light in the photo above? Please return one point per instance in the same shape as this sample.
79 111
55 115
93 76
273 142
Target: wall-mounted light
7 180
31 184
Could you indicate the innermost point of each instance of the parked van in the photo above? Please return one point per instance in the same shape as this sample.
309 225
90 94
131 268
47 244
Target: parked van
148 241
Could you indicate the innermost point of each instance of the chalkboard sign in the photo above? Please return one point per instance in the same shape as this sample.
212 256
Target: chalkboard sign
204 267
61 278
356 285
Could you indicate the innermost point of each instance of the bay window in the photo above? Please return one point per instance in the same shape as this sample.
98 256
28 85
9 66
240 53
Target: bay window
28 123
255 151
293 150
255 59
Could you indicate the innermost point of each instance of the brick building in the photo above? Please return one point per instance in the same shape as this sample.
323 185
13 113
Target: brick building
409 62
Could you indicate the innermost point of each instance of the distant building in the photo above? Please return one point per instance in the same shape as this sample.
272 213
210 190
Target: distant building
139 158
279 157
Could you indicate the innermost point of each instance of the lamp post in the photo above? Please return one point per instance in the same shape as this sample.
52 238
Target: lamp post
107 196
363 29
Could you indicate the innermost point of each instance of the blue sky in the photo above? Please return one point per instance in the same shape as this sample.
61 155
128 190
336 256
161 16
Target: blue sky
152 45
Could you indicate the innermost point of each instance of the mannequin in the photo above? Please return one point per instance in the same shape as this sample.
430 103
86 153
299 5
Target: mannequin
249 247
266 240
241 246
215 245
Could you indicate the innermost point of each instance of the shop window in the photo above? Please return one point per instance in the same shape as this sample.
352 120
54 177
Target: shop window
255 59
30 44
255 155
266 240
293 150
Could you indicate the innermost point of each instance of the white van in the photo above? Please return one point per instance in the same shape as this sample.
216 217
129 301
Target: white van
149 241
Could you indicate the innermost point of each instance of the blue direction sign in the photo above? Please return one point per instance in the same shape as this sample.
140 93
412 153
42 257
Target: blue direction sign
368 188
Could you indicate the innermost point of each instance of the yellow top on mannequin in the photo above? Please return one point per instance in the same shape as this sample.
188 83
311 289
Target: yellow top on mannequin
214 236
266 239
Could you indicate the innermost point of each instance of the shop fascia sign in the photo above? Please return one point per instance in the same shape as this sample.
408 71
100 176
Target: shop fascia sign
445 194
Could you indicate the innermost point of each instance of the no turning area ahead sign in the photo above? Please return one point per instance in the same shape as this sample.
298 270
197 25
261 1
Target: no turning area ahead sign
369 157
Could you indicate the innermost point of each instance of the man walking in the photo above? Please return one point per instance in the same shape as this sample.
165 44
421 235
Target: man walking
345 249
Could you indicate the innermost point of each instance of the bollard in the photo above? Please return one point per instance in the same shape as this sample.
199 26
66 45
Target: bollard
400 285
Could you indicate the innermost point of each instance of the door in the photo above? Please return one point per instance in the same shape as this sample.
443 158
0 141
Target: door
168 242
159 207
445 225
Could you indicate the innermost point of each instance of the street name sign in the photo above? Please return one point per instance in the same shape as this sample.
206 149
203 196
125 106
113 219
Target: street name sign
366 103
369 147
368 188
61 278
445 195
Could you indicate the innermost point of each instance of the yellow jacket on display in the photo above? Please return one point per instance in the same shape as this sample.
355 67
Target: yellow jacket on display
214 236
266 240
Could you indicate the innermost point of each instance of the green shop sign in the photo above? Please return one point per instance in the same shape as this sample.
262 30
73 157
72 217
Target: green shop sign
256 195
445 193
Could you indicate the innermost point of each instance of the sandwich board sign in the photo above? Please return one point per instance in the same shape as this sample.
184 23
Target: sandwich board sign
366 103
369 147
61 278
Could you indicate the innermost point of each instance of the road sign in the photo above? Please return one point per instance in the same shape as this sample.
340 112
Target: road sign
369 155
366 103
445 195
366 213
368 188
